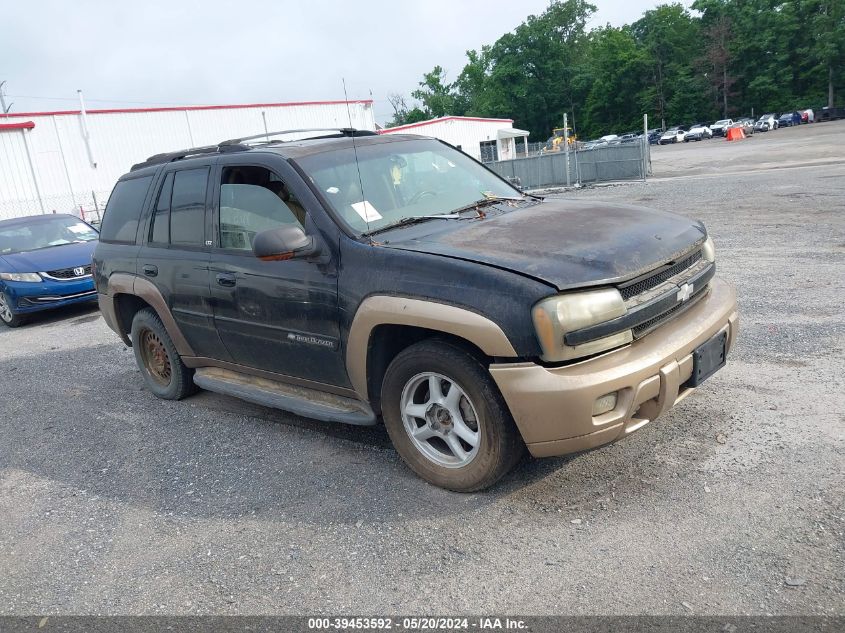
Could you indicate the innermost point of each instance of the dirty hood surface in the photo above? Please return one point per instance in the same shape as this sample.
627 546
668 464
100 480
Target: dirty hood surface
566 243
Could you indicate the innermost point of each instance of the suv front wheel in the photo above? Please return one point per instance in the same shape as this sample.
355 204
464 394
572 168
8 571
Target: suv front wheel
447 419
164 372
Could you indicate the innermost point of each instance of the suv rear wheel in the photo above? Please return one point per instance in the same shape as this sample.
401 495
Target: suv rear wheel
447 419
164 372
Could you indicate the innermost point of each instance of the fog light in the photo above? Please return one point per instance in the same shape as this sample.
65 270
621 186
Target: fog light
604 404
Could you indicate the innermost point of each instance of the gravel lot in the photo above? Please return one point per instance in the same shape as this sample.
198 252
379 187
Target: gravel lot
115 502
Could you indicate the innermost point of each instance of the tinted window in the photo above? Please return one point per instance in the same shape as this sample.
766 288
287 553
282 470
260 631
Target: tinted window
253 199
187 207
160 230
123 211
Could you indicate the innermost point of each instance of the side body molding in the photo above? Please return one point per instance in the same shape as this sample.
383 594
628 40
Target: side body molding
387 310
123 283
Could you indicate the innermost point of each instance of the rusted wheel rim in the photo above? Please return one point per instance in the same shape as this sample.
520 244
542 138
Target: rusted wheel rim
155 357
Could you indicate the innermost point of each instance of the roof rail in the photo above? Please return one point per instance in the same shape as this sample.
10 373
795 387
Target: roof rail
238 145
169 157
343 131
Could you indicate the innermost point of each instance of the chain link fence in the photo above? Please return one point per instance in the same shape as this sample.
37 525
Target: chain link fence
625 161
86 205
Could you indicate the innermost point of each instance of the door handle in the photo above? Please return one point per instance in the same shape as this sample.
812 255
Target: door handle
225 279
150 271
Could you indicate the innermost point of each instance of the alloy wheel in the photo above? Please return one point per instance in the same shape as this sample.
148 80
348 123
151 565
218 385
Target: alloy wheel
5 310
441 420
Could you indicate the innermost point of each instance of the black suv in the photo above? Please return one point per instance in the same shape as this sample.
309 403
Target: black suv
353 277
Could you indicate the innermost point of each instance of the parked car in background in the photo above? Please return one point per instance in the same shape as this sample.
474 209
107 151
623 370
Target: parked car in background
720 127
672 135
594 144
788 119
654 136
807 116
630 137
45 262
698 132
746 124
825 113
766 123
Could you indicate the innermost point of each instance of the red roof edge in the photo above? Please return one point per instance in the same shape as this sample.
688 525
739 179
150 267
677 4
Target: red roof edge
24 125
441 120
189 108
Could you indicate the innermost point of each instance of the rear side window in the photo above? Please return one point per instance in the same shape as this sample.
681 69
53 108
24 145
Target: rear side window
160 230
187 207
123 210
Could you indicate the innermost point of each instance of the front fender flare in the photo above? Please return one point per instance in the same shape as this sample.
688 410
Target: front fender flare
389 310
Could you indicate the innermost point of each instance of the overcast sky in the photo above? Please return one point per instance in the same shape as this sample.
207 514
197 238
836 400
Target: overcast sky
178 52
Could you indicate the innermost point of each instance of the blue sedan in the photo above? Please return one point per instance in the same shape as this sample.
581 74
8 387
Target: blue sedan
45 262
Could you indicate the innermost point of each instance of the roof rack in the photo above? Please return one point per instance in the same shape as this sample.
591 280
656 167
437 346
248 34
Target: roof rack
342 131
169 157
239 145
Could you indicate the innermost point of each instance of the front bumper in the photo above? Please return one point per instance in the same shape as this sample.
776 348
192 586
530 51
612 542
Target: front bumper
26 297
553 407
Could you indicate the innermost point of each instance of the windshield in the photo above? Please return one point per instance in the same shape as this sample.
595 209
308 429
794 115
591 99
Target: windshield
723 122
400 179
43 233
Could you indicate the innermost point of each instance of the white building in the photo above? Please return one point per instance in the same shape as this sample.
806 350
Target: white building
483 139
68 162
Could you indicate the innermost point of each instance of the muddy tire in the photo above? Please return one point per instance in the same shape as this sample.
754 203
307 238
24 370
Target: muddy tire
447 419
163 370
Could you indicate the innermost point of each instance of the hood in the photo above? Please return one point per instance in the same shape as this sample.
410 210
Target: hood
565 243
52 258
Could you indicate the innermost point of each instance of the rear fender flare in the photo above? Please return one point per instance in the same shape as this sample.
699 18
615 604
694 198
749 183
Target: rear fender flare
121 283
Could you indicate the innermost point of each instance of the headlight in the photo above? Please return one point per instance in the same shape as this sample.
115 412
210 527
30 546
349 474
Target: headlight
20 277
708 250
555 316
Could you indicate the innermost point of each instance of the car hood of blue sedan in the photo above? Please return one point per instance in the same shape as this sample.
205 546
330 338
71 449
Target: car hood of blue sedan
52 258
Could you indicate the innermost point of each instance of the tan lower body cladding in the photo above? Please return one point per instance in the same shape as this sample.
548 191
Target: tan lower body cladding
553 408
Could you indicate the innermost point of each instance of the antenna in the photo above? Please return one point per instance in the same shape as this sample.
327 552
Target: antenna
355 151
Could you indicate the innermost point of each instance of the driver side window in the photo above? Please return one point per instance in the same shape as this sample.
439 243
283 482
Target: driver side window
254 199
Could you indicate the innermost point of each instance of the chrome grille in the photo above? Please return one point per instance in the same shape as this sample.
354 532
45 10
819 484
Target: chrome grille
68 273
649 283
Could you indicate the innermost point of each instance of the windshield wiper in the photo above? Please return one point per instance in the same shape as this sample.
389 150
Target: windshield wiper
414 219
485 202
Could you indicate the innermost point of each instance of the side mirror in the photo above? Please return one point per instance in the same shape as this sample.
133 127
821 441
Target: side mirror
284 242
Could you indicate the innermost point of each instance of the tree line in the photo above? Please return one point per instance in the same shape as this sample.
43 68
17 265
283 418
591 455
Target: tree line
725 58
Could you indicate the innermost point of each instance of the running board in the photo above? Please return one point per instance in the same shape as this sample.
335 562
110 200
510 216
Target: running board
303 401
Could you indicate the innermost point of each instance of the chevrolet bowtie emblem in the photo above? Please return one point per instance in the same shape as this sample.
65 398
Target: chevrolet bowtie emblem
684 292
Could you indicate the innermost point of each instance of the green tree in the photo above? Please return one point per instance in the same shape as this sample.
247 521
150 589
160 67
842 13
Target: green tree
402 113
437 96
828 25
618 68
671 38
532 73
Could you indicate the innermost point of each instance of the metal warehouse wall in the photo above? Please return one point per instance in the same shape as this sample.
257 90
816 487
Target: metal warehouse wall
467 132
62 173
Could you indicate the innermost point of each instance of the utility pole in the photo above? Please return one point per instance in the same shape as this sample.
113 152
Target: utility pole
566 147
3 108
